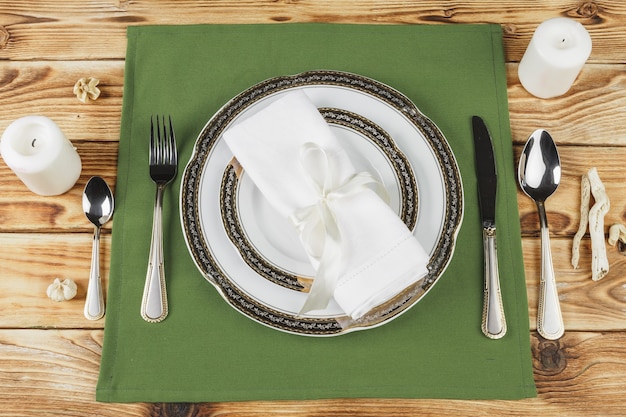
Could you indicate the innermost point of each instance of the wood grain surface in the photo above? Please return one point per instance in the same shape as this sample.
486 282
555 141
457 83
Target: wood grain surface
49 354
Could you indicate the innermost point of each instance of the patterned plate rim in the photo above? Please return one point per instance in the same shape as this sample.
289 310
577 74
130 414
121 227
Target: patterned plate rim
313 326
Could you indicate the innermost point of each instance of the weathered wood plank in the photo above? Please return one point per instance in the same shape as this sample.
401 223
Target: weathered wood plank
585 304
29 263
563 206
48 372
23 210
55 371
46 88
591 113
62 30
596 121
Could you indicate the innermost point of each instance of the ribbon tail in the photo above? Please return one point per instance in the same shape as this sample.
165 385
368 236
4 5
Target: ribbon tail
319 295
327 275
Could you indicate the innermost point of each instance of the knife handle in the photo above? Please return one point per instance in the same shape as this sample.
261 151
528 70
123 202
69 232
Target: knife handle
494 322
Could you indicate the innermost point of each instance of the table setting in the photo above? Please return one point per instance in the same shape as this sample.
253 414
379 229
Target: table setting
309 215
273 350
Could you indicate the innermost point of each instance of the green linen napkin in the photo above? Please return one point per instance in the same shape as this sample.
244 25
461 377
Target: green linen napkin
205 350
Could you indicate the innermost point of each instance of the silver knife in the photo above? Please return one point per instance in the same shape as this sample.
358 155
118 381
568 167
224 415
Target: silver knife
493 320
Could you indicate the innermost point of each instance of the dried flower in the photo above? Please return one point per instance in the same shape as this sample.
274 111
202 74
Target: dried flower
61 291
86 89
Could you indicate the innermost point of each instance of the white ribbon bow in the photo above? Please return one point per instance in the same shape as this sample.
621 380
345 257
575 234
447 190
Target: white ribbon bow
317 224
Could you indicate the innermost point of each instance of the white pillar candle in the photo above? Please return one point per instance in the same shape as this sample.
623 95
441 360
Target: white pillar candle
40 155
556 54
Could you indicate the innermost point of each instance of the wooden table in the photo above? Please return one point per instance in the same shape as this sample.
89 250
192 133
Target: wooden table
50 354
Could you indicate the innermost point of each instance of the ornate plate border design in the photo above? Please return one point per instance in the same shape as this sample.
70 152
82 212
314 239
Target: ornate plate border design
313 326
369 130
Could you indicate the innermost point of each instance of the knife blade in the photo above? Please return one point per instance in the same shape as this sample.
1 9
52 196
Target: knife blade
493 319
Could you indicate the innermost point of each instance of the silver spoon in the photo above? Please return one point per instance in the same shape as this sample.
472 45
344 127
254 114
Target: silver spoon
539 174
98 207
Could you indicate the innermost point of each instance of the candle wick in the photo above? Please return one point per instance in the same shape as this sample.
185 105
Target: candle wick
33 142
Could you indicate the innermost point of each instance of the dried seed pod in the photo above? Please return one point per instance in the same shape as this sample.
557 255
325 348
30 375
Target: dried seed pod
599 260
61 291
594 217
585 197
617 232
86 89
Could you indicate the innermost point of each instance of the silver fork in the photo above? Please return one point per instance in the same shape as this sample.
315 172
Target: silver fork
163 163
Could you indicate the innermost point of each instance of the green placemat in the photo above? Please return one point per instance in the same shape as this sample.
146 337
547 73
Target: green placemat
205 350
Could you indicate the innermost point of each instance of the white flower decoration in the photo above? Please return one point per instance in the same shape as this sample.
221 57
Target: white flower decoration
86 89
61 291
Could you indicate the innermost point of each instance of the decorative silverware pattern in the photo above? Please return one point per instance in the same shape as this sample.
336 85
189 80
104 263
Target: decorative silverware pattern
539 175
163 166
493 320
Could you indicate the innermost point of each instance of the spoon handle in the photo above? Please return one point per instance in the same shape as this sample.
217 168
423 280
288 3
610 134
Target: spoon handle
94 302
154 303
549 320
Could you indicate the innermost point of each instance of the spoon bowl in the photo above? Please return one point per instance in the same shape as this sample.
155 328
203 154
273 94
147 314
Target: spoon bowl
98 206
540 166
539 175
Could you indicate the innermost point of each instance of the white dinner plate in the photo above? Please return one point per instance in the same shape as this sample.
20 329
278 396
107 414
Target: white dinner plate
207 220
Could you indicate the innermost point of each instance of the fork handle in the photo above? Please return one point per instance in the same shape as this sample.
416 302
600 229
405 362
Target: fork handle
154 302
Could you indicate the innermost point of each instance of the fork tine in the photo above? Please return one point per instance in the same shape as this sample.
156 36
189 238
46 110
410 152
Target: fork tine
165 145
160 145
152 155
173 155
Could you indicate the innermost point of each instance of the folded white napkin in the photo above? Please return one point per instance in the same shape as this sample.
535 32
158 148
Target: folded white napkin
362 251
